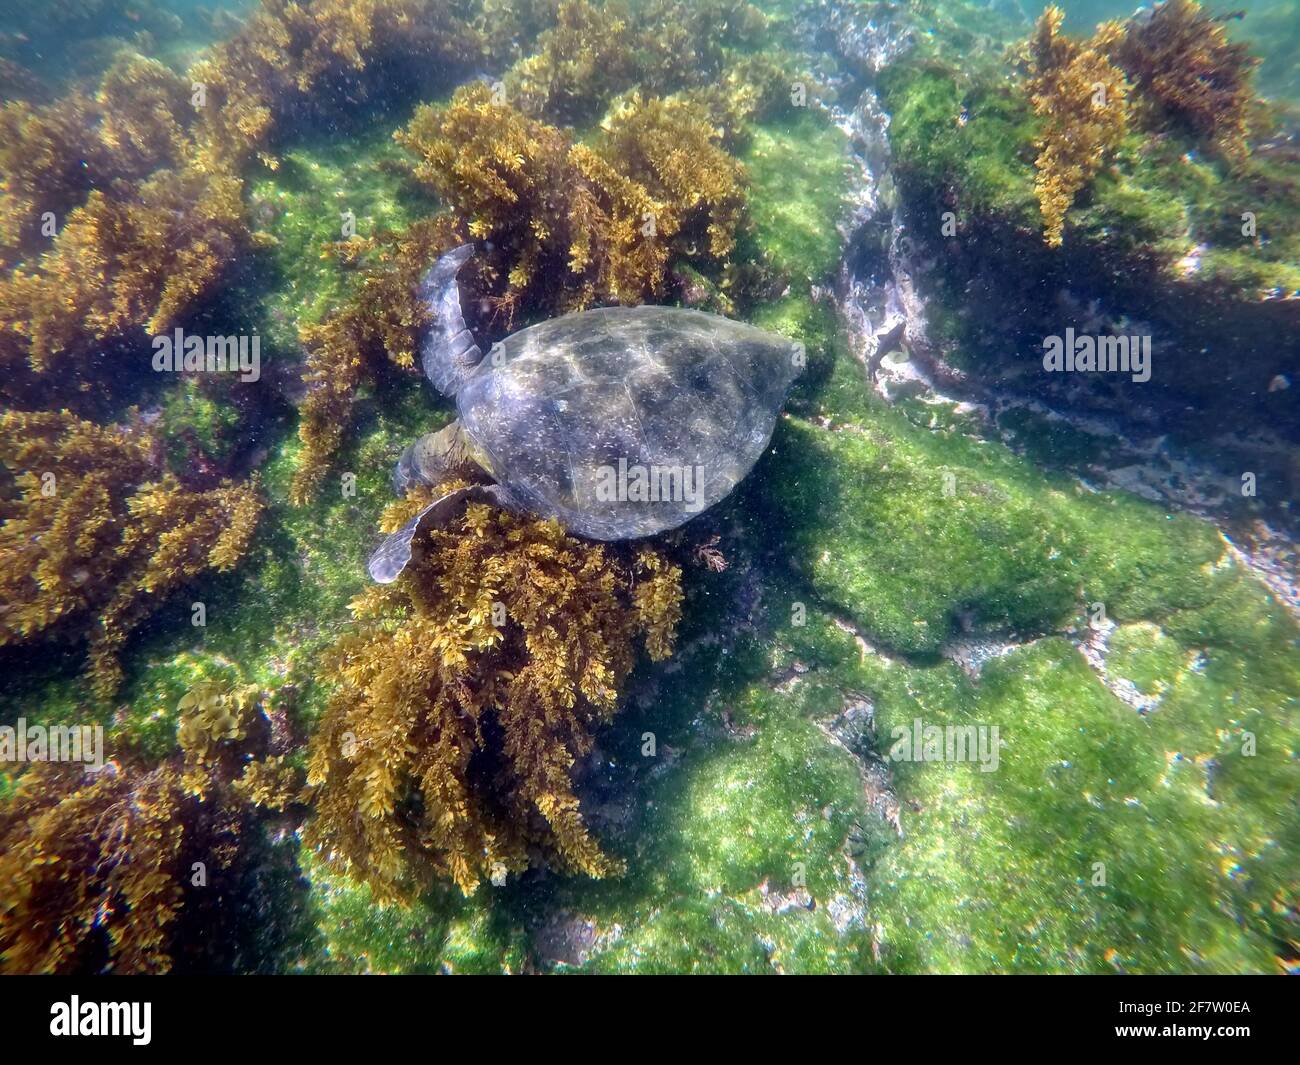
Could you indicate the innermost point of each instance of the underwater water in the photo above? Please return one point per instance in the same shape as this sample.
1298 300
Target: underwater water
941 618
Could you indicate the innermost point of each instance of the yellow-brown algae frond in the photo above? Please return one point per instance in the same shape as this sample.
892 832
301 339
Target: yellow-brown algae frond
466 693
146 113
62 521
611 245
143 234
658 600
289 51
46 165
1080 98
170 536
595 51
123 263
213 715
269 783
94 540
210 714
673 147
576 223
755 86
83 855
52 155
665 190
96 868
505 175
1181 59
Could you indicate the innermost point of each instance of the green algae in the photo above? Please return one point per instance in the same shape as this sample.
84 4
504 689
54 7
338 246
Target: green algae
756 838
1006 550
764 810
995 871
1067 857
963 893
963 141
960 145
200 419
998 872
442 933
322 194
752 845
798 172
1144 655
1051 442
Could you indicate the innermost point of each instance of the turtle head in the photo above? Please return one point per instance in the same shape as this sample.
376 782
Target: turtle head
435 458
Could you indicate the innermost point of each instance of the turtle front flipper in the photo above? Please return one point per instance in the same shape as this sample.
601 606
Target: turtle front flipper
448 353
392 556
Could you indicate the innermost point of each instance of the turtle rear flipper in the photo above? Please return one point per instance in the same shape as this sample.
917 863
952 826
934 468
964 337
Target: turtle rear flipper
448 353
393 555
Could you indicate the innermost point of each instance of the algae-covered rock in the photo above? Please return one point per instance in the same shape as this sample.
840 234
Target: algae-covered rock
942 699
1170 230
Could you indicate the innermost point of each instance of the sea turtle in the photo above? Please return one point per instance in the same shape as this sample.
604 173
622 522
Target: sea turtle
619 422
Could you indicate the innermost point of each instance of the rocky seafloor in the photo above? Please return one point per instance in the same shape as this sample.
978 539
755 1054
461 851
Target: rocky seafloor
940 533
